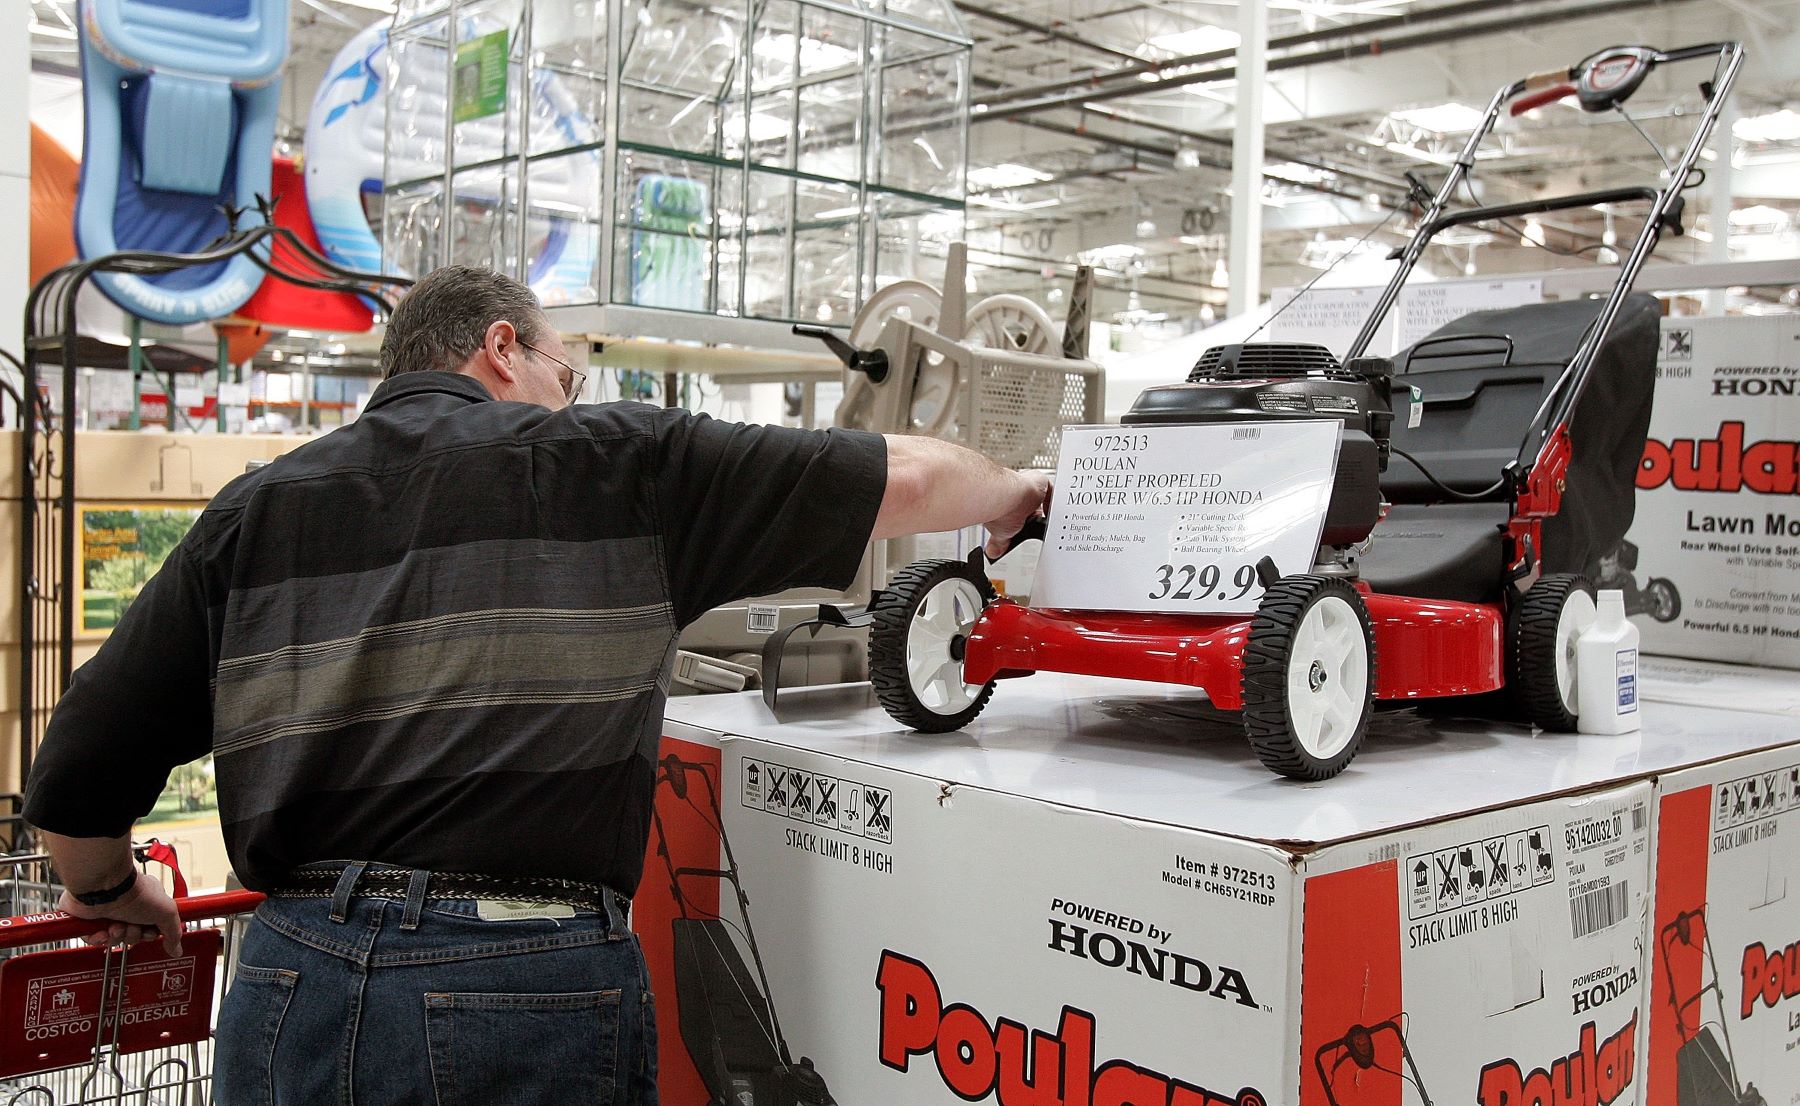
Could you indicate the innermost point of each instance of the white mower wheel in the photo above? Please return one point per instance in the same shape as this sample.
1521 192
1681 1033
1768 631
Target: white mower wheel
920 629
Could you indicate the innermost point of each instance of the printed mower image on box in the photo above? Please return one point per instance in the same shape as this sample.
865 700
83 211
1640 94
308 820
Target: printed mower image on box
1460 523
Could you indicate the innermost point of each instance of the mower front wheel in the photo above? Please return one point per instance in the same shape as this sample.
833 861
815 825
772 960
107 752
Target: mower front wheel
1309 677
1545 627
920 629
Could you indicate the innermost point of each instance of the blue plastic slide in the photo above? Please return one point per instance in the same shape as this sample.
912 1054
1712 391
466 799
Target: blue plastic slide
180 98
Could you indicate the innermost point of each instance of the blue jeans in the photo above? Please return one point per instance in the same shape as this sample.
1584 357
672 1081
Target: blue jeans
448 1010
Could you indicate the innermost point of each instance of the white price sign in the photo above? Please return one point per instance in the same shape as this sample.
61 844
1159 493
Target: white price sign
1175 518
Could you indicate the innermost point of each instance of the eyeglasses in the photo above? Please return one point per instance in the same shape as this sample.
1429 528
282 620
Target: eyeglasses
576 377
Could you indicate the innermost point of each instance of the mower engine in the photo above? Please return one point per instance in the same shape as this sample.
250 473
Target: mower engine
1272 381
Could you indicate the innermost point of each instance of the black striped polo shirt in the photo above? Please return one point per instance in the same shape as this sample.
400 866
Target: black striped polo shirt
441 636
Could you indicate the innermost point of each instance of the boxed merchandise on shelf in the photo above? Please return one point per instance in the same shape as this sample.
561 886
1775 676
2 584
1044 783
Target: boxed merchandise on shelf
1095 896
1724 1014
1712 555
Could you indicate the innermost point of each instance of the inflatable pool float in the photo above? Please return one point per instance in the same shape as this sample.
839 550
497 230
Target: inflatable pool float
180 99
346 136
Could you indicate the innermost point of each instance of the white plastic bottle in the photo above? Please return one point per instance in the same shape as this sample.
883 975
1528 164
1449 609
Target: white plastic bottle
1606 658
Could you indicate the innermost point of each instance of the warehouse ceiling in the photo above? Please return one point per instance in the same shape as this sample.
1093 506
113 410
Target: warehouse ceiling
1102 133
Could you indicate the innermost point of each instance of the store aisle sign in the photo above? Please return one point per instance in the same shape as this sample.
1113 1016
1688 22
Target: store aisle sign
121 547
480 77
1176 518
1332 317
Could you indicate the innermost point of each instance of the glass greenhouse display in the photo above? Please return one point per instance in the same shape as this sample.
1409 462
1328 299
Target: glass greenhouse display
659 167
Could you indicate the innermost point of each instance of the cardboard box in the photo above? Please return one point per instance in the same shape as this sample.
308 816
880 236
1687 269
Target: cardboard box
1724 1023
120 465
1096 895
1712 561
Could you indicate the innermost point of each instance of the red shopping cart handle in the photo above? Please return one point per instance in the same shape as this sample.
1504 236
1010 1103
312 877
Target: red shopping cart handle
58 925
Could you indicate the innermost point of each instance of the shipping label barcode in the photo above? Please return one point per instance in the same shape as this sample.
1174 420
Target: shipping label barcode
1601 908
1246 433
1639 818
762 619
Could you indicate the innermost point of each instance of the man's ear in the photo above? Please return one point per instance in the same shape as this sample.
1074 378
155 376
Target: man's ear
500 336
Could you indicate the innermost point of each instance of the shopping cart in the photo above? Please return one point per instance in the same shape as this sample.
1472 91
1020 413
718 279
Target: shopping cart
83 1025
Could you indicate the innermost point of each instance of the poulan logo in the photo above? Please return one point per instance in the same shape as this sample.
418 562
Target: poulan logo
1593 1075
1160 964
1007 1060
1769 979
1721 464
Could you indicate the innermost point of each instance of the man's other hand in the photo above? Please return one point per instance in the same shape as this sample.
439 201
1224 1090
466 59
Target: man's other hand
1034 501
144 911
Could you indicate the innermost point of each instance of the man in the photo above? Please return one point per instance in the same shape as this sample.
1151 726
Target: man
429 654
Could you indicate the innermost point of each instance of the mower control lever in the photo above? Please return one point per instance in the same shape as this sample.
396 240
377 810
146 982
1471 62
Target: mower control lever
874 362
1539 99
1035 528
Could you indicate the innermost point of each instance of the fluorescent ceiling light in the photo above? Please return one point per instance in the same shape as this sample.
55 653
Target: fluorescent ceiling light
815 54
1323 253
1115 254
1452 118
385 6
941 224
999 204
1198 40
1298 173
1776 126
765 127
1007 175
1761 216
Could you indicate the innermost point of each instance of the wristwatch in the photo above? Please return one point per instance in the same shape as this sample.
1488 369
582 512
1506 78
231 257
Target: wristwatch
106 895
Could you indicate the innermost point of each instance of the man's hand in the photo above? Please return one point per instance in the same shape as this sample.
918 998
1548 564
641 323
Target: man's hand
933 486
144 911
1034 501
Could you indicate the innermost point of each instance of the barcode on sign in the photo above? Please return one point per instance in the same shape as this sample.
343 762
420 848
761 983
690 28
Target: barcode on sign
762 619
1246 433
1601 908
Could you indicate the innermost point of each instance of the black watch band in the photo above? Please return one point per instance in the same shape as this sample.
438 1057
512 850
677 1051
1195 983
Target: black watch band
110 894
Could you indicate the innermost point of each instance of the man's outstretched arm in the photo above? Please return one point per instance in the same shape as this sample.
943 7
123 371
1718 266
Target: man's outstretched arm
933 486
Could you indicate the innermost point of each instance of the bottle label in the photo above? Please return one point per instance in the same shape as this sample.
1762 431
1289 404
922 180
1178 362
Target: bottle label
1627 681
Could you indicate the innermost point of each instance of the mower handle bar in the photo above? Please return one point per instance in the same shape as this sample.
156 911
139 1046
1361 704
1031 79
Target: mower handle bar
1560 405
1539 207
1549 78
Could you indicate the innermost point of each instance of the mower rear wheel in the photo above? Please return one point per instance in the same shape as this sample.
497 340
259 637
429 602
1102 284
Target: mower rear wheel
1665 601
921 627
1309 677
1545 627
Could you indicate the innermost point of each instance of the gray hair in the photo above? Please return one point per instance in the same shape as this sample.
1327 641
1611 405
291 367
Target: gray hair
445 319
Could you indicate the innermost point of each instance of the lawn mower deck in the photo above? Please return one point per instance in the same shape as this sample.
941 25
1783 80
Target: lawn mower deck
1429 648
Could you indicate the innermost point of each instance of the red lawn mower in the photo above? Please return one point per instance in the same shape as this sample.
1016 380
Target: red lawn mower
1451 556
